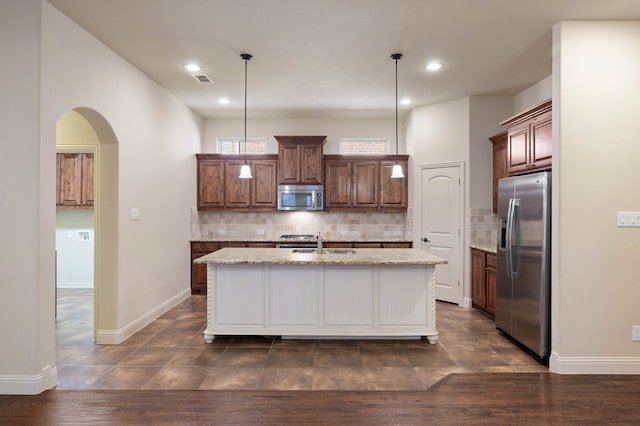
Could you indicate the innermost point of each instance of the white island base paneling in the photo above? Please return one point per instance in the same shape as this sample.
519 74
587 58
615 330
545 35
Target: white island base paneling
321 300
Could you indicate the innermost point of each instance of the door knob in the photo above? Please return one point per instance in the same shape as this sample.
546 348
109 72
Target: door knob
425 240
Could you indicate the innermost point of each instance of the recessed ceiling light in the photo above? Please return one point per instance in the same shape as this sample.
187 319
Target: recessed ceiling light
192 67
224 101
405 101
433 66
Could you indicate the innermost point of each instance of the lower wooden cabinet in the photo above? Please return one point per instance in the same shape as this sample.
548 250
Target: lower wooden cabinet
368 244
483 281
202 248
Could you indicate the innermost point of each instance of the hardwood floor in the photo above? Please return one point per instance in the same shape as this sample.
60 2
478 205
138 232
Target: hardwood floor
472 398
166 374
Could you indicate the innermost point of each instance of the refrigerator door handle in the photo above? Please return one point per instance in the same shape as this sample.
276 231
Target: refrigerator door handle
513 203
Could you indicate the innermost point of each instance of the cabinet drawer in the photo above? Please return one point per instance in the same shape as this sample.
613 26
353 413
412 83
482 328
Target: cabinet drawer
202 246
491 260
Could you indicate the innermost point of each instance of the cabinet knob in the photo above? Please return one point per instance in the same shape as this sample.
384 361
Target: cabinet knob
425 240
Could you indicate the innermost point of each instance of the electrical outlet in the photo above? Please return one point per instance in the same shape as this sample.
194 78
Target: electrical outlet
635 335
221 231
260 231
397 233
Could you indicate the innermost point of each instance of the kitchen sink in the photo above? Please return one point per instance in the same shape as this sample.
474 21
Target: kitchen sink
324 251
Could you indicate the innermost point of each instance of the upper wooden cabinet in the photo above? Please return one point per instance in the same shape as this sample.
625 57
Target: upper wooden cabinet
529 142
74 180
499 142
394 192
219 185
300 160
358 182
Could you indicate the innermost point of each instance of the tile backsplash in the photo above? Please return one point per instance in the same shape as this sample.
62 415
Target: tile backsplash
484 228
270 225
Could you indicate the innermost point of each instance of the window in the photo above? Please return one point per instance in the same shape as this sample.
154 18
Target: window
364 146
236 146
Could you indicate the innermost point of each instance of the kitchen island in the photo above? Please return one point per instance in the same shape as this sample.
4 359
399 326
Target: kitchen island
336 293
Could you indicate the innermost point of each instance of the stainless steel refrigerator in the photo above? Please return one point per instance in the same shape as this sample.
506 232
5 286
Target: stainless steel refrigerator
523 287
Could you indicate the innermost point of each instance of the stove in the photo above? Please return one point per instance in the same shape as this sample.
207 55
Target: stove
297 241
297 237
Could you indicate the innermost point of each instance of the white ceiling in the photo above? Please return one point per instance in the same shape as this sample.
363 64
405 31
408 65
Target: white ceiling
332 57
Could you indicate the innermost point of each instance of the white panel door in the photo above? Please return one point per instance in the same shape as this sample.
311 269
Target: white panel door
239 295
293 296
440 227
402 308
348 296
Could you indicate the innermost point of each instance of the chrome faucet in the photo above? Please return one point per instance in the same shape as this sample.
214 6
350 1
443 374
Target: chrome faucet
319 250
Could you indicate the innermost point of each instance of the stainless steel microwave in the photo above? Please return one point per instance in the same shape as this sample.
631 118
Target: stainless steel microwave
301 197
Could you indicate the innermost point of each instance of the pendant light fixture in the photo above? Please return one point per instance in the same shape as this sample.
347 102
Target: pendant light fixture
397 167
245 170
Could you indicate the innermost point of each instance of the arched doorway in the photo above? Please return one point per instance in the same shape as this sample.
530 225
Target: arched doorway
86 130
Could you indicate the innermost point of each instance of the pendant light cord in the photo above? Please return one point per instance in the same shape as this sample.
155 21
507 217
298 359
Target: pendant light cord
246 57
396 61
395 57
245 108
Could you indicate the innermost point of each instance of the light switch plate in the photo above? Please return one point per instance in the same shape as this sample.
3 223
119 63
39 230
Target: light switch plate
134 214
627 219
635 334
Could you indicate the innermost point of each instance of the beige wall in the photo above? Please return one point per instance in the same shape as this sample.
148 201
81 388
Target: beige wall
26 254
156 138
456 131
596 285
333 128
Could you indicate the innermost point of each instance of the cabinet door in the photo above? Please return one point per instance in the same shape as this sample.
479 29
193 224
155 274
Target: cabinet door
338 184
199 270
491 284
87 189
365 184
518 148
478 266
263 185
408 244
236 190
499 164
70 172
211 184
310 164
541 142
394 193
288 163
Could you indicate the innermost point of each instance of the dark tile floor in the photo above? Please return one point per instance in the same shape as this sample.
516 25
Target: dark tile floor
170 353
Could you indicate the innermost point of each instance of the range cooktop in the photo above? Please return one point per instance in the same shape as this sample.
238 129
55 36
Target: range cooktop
297 237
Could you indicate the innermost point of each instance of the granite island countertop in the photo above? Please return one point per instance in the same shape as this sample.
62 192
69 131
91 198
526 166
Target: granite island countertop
280 240
279 256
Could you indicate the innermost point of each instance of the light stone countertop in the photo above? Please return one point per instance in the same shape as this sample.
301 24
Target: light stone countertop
280 240
491 249
280 256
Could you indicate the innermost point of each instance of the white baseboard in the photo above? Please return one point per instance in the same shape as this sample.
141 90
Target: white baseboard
466 302
114 337
29 384
593 365
75 284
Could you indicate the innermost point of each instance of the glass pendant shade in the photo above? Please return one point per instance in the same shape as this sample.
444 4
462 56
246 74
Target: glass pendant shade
396 172
245 172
